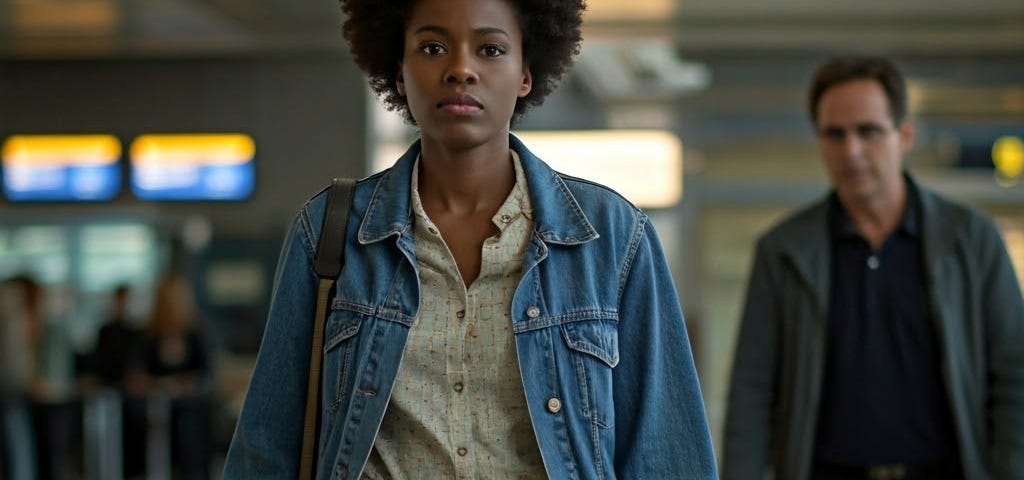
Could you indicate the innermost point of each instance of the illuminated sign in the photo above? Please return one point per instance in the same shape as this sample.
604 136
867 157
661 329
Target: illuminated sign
645 166
61 167
193 166
1008 157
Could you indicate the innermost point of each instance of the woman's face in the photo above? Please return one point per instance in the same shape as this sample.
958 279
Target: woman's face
463 69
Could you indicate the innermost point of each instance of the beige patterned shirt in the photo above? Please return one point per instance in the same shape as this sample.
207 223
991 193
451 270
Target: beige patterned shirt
458 409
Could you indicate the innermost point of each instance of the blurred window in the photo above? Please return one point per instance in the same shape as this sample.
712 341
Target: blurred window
115 254
39 251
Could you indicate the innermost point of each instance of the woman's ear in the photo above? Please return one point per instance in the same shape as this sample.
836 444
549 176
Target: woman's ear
400 81
527 84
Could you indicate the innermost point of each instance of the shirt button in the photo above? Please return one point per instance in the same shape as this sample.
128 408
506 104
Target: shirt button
533 312
505 218
460 314
462 451
554 405
458 387
873 262
432 230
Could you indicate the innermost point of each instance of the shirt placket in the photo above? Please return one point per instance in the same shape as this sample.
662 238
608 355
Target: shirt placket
459 314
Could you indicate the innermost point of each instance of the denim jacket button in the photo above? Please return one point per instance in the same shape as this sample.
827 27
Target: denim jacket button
533 312
554 405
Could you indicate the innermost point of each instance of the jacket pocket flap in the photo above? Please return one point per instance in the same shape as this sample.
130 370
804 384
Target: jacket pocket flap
339 331
598 338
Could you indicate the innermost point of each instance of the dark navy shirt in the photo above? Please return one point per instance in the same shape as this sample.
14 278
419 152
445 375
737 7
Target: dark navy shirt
883 399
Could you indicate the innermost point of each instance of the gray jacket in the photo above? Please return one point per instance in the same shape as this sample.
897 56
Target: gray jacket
779 365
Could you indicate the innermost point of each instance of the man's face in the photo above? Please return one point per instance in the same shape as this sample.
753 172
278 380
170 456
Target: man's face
862 148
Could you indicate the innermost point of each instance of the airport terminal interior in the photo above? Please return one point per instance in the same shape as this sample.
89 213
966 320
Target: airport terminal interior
155 152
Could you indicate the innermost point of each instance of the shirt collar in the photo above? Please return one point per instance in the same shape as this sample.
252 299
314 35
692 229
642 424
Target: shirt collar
517 203
557 215
842 227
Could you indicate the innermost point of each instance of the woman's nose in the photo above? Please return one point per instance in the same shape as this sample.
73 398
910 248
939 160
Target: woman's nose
461 70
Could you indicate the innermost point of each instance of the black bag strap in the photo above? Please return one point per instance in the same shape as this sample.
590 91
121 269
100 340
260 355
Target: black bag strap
330 248
330 256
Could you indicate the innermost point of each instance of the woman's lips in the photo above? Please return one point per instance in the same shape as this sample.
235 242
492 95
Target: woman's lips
460 103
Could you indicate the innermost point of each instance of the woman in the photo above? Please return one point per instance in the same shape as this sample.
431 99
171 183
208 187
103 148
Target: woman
177 362
494 319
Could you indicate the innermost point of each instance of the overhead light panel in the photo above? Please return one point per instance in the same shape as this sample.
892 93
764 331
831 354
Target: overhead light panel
619 10
64 17
639 70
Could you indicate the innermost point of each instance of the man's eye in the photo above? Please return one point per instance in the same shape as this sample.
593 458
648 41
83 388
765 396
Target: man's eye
870 132
834 134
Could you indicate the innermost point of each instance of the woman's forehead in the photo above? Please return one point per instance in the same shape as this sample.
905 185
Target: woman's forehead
476 15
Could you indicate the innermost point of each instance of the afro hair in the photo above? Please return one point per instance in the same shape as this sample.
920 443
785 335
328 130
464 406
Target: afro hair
375 31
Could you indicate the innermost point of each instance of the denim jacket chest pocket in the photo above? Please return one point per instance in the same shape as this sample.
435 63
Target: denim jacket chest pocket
340 335
593 346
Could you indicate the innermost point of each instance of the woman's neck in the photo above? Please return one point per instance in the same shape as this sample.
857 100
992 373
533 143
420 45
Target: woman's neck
465 181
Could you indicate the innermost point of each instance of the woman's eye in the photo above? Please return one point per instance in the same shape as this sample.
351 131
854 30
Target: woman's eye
493 50
432 49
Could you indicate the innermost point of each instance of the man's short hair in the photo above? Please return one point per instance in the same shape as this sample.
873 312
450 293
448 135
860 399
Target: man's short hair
844 69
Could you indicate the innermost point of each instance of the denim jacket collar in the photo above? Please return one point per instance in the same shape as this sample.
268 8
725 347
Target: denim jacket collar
558 218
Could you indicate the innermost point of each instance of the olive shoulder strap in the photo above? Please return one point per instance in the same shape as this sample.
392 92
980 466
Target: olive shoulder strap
330 256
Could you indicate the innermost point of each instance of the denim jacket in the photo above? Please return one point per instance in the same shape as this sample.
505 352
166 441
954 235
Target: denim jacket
606 365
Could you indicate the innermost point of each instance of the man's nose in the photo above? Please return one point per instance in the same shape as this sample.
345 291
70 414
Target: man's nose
853 145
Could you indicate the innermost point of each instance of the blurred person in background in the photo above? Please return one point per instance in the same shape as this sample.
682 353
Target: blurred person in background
177 360
16 438
39 382
494 318
116 360
117 363
883 331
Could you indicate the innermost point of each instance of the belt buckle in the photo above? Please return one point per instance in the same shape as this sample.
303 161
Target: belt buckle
896 471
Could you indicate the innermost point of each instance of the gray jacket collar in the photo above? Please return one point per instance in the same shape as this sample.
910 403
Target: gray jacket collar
807 245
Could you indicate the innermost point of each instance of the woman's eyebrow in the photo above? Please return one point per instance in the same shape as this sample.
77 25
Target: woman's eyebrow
431 29
490 30
444 31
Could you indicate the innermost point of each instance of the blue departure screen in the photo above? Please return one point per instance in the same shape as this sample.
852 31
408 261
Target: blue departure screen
193 181
193 167
61 168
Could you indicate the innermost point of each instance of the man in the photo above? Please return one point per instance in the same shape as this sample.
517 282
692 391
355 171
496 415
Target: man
883 331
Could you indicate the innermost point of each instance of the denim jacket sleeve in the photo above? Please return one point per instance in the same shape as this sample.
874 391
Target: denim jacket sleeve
661 426
268 435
